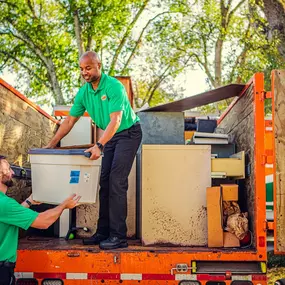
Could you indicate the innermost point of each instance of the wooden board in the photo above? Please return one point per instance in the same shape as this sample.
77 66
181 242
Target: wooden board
22 127
173 202
202 99
279 134
239 124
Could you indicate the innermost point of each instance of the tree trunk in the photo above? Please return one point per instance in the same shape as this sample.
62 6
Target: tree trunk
77 29
59 100
218 63
275 13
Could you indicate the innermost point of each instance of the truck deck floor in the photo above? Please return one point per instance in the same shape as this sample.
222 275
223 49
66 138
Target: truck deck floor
40 243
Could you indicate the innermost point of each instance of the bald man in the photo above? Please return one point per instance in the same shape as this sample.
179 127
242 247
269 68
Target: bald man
106 101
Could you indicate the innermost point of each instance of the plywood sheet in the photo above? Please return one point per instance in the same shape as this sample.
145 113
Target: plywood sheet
279 134
21 128
174 182
87 215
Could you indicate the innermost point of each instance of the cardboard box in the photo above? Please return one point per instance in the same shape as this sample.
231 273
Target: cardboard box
215 217
230 192
230 240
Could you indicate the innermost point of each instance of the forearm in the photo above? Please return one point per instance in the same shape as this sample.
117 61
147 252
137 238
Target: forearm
63 130
25 204
47 218
110 131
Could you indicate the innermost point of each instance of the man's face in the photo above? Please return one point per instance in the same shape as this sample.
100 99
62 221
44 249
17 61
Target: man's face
90 69
6 173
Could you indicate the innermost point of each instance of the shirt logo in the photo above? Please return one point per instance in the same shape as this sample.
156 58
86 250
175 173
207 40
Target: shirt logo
104 97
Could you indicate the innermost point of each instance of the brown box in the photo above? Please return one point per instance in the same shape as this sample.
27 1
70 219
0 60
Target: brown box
215 218
230 240
230 192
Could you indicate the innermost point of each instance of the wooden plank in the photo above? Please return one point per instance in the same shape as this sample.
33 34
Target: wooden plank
202 99
239 124
126 81
279 133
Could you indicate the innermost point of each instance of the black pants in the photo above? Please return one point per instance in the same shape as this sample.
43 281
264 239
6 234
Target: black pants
119 155
7 276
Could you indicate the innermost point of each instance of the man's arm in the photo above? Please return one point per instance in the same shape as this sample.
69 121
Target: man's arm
47 218
111 129
63 130
31 201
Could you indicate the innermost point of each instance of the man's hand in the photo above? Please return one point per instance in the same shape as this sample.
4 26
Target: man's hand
49 146
71 201
48 217
95 152
63 130
32 200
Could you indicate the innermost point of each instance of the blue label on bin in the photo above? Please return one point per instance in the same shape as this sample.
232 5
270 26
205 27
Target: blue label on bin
74 173
74 176
74 180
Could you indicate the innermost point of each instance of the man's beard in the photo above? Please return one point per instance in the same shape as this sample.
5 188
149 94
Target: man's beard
9 183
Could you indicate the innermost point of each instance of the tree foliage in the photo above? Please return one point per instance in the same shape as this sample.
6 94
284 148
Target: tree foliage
153 41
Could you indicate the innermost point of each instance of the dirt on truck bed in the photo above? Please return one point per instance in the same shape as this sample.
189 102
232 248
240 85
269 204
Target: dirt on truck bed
45 243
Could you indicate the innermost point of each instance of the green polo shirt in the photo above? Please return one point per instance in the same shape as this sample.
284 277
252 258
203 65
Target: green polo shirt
109 97
12 217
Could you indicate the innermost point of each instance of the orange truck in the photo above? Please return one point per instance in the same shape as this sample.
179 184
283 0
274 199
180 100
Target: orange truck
55 261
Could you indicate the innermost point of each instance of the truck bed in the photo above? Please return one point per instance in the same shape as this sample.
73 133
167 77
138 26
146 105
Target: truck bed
40 243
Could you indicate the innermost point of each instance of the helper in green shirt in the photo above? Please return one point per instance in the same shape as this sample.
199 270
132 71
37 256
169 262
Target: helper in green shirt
106 101
14 216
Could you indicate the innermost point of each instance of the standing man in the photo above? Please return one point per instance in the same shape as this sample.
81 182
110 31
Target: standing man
107 103
14 216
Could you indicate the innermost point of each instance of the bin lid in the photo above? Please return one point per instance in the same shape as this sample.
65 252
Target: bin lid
50 151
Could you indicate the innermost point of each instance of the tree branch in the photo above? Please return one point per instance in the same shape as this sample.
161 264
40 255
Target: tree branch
89 42
242 56
30 5
154 83
31 72
155 87
125 37
138 41
234 10
25 38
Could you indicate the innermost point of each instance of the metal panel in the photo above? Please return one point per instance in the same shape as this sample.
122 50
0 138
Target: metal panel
162 127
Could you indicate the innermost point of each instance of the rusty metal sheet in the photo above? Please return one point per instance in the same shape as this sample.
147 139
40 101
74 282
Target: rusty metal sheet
202 99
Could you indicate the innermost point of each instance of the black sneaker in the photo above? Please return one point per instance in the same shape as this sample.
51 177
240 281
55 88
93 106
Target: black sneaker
113 243
95 239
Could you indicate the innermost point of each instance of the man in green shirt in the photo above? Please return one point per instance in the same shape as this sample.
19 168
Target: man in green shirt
14 216
106 101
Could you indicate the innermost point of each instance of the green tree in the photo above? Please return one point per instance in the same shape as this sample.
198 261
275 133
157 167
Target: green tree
42 40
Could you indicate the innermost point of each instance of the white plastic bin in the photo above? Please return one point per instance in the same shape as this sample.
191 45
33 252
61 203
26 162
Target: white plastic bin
58 173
